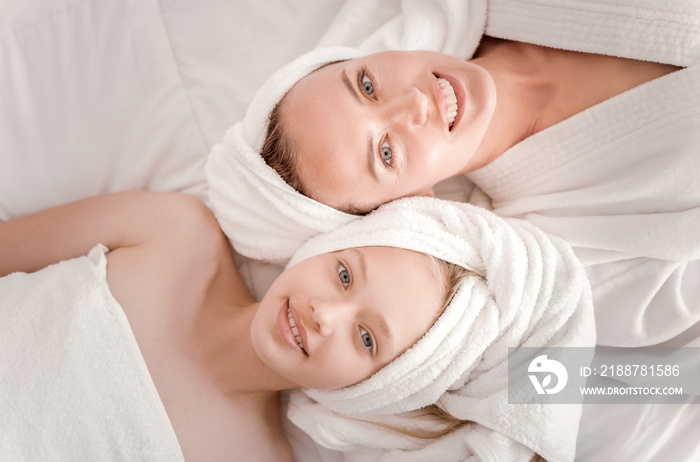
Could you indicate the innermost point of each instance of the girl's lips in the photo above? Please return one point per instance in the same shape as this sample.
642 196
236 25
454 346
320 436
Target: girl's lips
286 330
300 327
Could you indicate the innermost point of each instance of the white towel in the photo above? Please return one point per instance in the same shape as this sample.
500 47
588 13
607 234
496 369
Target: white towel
530 291
659 31
266 219
454 27
73 383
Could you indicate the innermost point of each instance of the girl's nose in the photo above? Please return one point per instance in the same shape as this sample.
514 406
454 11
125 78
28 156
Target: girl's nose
327 315
412 107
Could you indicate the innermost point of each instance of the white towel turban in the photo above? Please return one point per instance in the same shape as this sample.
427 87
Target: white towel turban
264 217
530 290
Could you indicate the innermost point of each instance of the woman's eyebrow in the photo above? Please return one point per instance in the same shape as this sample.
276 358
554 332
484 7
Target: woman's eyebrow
350 86
371 161
371 157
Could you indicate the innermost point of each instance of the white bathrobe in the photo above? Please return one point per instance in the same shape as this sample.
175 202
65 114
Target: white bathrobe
73 383
621 180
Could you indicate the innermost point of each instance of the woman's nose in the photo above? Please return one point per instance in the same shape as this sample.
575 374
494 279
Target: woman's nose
411 108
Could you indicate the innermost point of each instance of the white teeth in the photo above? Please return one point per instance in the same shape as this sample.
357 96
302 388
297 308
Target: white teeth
295 331
450 100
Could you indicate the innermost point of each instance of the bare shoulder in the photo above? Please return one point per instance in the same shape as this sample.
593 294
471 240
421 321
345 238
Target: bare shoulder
176 216
180 257
175 232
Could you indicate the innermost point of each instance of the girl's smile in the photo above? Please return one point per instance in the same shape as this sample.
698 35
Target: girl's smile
291 329
334 319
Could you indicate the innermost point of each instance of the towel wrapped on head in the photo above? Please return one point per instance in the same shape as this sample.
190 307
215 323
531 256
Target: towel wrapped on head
265 218
528 290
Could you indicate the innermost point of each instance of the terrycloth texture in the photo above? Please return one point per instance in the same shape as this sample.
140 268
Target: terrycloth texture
454 27
265 218
529 290
73 383
627 199
660 31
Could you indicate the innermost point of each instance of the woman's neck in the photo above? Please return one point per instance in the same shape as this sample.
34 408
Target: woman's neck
537 87
524 92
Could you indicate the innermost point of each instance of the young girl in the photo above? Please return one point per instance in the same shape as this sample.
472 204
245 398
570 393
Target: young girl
216 356
194 368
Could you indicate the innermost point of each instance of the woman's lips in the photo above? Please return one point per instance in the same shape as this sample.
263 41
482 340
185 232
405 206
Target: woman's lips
291 330
451 98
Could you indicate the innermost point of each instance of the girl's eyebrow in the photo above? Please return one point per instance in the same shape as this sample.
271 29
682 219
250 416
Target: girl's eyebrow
386 338
383 331
350 86
362 262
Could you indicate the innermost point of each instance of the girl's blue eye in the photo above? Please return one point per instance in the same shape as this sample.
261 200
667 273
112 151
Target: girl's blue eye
343 275
385 152
367 86
367 341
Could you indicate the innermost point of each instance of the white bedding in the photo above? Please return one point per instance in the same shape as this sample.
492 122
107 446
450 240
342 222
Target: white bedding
99 96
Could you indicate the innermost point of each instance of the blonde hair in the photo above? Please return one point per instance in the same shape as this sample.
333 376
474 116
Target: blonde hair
451 277
442 421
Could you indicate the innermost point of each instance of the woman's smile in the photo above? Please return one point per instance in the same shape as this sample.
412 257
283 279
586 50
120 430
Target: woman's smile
454 91
400 123
447 101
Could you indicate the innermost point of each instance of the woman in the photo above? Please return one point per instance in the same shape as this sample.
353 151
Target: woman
593 141
400 122
200 377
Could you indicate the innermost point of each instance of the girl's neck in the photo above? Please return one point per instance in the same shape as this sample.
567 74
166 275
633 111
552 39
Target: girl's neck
226 352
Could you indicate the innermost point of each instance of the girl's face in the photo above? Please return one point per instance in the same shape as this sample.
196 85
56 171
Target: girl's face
335 319
382 127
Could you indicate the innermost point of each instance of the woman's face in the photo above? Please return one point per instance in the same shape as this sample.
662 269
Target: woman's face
378 128
335 319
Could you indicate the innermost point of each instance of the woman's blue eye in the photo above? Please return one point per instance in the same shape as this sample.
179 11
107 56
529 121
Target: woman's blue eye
367 341
385 152
344 275
367 86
